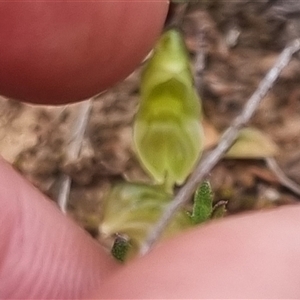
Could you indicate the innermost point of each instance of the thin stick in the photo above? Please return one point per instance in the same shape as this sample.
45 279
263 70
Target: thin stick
73 150
200 60
283 179
206 164
64 192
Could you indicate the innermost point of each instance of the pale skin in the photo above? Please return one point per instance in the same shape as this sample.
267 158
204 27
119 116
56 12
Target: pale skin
44 254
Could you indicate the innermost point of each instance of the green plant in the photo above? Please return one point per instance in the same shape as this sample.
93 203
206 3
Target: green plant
168 140
131 209
167 130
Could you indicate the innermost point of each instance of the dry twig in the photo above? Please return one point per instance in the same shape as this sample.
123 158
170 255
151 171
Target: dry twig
73 150
207 164
283 179
200 59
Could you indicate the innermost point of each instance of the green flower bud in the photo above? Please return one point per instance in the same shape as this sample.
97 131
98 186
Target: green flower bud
167 128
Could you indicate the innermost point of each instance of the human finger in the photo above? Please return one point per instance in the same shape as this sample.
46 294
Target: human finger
251 256
54 52
43 254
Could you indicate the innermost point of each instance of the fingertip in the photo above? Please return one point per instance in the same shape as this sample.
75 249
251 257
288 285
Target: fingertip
43 253
251 256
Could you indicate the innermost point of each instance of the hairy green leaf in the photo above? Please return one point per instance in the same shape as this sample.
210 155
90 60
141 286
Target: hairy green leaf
203 203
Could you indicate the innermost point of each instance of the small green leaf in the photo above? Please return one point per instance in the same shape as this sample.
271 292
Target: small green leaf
131 209
219 210
167 130
203 204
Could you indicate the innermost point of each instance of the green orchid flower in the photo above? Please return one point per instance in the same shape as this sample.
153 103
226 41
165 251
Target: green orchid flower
167 130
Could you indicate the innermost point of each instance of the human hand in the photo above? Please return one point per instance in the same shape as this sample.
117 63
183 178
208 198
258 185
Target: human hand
54 52
254 256
45 255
